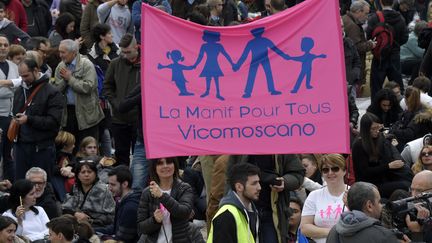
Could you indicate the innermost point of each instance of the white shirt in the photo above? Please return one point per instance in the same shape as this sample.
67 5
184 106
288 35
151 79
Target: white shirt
325 207
33 226
165 232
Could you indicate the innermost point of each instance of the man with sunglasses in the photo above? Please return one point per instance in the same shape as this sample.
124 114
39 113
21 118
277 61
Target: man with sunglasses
421 228
361 223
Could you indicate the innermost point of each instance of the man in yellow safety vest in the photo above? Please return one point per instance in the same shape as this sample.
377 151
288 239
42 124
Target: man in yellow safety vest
237 218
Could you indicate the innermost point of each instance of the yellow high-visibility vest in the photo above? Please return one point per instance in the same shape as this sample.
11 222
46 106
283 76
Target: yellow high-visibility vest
244 234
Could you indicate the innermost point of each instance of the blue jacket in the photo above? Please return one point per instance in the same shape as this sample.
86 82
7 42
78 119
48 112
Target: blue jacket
124 227
136 14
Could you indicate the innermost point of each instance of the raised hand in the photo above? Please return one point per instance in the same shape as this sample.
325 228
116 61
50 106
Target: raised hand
323 56
160 66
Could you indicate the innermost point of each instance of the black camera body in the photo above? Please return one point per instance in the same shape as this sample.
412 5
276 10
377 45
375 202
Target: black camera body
401 208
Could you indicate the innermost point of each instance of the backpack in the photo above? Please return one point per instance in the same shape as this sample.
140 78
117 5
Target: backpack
424 38
100 78
383 35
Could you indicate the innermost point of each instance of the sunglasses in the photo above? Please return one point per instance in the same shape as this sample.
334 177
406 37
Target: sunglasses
326 170
423 154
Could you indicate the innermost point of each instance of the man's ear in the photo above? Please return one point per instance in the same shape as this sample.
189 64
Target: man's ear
125 184
239 187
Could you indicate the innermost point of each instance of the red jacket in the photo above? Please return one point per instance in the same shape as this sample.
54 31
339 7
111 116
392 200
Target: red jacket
16 13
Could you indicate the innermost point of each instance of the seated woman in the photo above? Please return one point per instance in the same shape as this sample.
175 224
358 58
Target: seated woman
324 206
8 228
90 199
166 205
376 160
386 107
31 219
424 161
401 129
63 178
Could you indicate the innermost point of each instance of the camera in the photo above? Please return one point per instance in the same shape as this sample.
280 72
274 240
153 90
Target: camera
401 208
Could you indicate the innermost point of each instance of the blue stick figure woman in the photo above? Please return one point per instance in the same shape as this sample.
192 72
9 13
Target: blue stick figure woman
177 71
211 68
306 59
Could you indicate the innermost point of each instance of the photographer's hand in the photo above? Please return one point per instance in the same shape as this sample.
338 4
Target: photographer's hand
405 239
422 212
413 226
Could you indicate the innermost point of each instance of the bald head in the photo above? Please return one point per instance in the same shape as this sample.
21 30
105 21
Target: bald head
422 182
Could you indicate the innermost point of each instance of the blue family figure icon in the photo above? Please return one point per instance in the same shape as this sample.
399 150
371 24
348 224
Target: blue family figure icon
177 71
258 47
306 59
212 48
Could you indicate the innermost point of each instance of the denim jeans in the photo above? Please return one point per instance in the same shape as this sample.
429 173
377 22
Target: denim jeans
139 167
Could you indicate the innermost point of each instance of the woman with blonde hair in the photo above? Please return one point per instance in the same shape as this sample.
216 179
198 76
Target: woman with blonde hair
63 176
324 206
424 161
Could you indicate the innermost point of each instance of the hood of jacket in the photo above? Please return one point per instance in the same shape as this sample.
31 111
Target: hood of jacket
233 199
5 22
352 222
133 197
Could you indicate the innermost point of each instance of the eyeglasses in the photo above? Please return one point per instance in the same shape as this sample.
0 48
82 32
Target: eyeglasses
326 170
426 154
38 183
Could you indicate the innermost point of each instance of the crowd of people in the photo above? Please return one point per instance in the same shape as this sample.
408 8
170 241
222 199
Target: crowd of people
73 161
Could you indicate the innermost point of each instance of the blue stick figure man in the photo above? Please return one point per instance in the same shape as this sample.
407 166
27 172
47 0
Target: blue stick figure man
306 59
177 71
258 47
211 68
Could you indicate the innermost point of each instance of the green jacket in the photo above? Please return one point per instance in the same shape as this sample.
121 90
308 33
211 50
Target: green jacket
120 78
84 85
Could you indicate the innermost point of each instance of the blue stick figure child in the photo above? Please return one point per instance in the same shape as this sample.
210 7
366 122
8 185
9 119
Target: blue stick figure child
211 68
177 71
306 59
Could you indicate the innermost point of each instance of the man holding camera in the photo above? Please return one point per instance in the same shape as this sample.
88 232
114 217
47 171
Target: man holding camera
362 224
421 227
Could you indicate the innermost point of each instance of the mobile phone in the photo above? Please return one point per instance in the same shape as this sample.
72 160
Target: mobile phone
276 182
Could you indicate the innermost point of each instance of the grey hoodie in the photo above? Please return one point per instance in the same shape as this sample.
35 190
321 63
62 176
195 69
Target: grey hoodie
355 226
12 32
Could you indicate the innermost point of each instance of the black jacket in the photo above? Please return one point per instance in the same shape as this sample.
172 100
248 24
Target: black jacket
352 62
41 22
43 115
49 203
396 21
178 203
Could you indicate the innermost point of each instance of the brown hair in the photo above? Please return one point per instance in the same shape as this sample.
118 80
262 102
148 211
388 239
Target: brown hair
153 163
15 50
332 159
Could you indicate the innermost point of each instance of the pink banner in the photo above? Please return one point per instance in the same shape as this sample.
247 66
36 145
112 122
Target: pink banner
274 86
